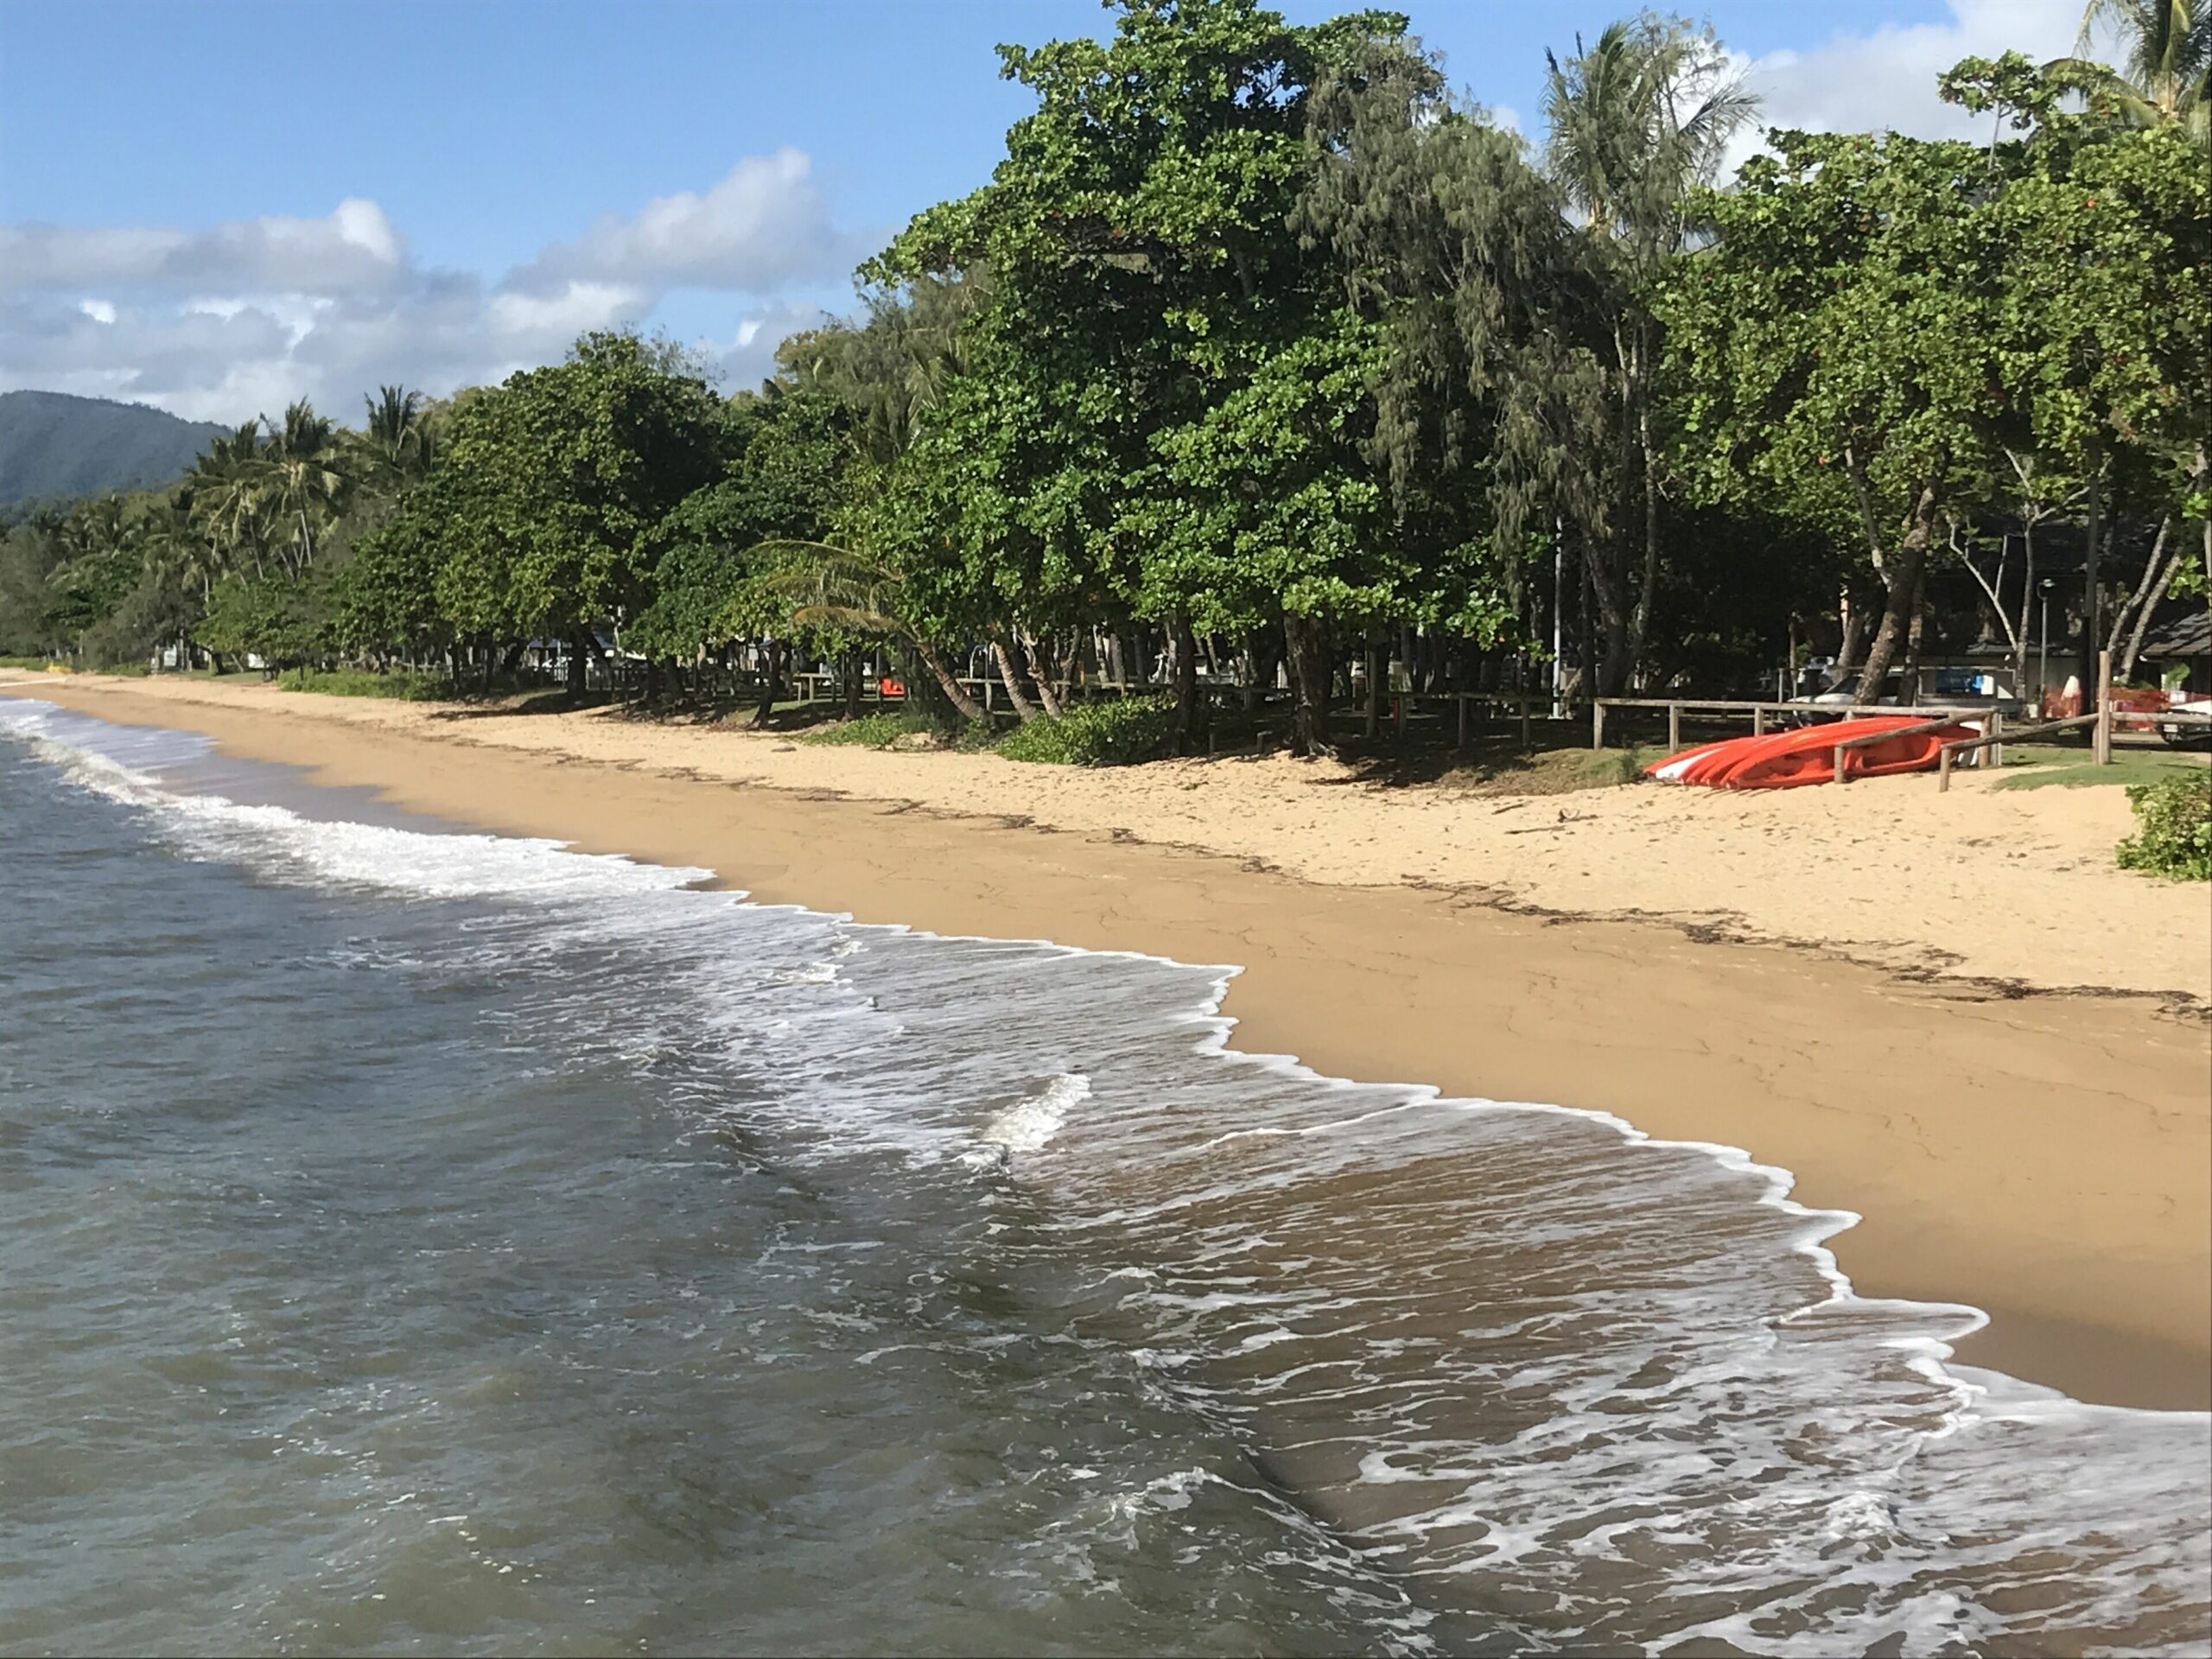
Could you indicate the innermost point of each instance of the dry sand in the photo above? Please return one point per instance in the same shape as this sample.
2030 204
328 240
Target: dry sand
1840 980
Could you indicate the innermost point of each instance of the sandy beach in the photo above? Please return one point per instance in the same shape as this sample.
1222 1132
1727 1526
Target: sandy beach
1948 1013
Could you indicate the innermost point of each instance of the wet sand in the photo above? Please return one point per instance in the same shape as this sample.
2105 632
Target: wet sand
2044 1156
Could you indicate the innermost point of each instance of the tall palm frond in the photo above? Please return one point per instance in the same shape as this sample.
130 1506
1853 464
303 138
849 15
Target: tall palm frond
304 477
395 435
1635 122
836 587
2166 74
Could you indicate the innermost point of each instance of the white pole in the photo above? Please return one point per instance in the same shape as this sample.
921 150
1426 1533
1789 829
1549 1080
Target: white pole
1559 545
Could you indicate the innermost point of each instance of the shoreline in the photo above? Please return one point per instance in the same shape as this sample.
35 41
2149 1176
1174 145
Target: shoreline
2041 1157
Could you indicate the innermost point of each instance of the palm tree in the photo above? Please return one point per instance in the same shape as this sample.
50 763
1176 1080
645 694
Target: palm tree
179 549
229 494
2167 77
395 438
304 477
892 369
1635 124
836 588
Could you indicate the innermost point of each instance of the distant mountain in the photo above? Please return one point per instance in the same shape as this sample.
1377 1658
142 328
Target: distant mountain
54 446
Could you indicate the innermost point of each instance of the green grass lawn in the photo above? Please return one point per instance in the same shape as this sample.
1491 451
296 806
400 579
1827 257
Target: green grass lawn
2037 766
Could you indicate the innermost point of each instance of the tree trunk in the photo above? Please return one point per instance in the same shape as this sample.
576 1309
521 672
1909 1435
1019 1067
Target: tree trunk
1854 633
1041 670
1024 709
1909 679
1306 645
1186 685
955 693
1373 672
2152 600
579 654
852 682
1639 631
2134 604
2027 603
1609 591
2092 611
1904 576
772 682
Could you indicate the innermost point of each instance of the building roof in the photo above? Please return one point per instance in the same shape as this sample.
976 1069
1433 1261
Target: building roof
2188 634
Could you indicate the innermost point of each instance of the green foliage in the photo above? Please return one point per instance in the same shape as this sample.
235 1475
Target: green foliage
1118 732
2174 834
1260 341
553 485
404 686
274 618
877 731
714 577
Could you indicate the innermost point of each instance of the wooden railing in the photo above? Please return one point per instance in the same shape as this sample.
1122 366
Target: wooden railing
1760 712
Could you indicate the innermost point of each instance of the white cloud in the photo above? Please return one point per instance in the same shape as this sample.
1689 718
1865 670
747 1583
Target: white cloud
764 226
748 357
240 318
1885 80
350 250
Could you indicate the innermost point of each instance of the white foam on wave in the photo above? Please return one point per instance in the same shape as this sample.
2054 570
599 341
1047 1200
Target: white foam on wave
282 843
1029 1125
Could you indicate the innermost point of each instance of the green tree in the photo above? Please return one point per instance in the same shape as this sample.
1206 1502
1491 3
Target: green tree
2167 77
1142 271
1636 122
1838 344
553 486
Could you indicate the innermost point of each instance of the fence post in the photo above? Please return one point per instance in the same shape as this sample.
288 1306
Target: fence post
1596 723
1996 751
1759 720
1842 776
1674 727
2101 751
1462 701
1943 769
1528 741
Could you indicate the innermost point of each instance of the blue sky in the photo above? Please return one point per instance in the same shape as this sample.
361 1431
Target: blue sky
171 175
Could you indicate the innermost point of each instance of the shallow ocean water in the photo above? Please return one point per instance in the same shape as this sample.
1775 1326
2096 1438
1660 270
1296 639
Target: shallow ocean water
420 1239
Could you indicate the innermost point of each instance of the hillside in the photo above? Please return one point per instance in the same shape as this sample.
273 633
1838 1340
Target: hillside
54 446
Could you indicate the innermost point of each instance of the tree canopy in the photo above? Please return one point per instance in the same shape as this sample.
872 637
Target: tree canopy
1263 356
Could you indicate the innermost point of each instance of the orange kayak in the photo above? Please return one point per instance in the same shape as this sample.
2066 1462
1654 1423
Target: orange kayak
1806 754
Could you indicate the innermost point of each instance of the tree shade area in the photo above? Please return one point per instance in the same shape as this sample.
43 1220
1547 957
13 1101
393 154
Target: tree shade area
1264 359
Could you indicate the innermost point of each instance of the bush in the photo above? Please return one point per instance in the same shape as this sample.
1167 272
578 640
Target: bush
2174 838
1111 734
355 682
877 731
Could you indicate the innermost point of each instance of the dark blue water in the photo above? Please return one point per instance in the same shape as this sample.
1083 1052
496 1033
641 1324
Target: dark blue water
413 1239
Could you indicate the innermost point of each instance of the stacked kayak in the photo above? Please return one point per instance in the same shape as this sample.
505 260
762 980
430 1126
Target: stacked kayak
1806 754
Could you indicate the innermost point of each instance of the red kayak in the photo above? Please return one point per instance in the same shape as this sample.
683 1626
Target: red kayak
1806 754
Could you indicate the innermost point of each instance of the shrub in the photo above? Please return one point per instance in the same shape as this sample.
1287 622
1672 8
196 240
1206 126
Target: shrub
1119 733
2175 833
407 687
878 731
